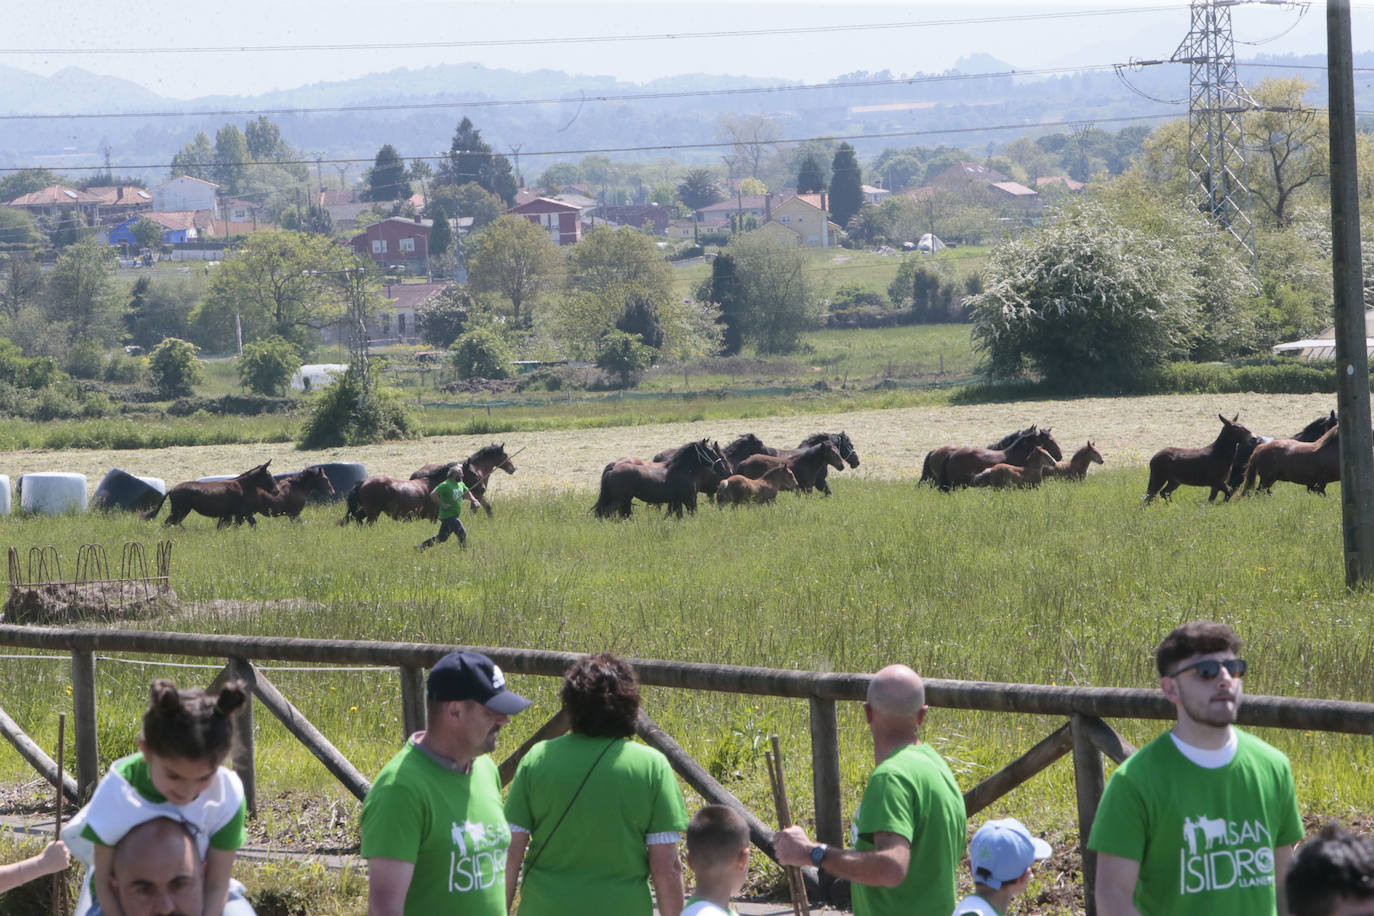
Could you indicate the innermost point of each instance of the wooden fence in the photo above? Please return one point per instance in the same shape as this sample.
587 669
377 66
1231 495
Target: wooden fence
1084 733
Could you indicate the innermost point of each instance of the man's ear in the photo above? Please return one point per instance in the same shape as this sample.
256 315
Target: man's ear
1169 687
921 716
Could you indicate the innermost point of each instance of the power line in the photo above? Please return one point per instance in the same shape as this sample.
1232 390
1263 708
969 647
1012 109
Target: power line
603 39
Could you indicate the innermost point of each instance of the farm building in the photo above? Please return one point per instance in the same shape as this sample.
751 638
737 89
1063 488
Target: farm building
1323 346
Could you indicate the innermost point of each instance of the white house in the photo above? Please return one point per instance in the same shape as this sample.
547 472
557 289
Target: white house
186 193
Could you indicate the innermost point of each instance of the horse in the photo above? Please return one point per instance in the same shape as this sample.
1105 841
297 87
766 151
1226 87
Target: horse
400 499
742 447
1309 433
477 467
234 500
936 457
1076 468
738 489
1313 464
672 482
963 464
294 490
1199 467
806 464
843 444
1008 476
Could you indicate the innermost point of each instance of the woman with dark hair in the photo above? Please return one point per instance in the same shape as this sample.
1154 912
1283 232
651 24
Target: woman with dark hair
597 813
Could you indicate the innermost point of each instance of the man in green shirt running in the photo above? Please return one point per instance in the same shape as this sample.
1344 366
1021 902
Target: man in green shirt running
909 830
1203 819
449 496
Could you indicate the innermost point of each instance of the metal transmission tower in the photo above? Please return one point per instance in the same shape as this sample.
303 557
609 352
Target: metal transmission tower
1217 180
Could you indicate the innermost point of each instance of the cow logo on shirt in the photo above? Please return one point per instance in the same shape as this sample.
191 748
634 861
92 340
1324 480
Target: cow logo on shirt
1218 854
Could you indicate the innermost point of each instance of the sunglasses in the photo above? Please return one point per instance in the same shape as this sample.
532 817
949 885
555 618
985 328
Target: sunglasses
1208 669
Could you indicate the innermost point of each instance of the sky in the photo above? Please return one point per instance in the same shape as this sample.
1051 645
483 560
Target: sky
147 41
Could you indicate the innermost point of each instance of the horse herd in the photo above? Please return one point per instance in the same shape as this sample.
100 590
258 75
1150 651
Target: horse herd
748 471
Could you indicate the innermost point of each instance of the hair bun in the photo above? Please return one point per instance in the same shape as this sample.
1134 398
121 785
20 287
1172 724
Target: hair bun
231 696
163 694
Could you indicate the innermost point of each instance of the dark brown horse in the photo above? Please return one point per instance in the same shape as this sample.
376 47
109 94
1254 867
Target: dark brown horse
1312 464
294 490
1173 467
806 464
963 464
673 482
742 447
935 458
477 467
842 444
1309 433
232 500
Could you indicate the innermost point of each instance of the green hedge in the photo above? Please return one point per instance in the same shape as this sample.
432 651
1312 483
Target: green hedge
1267 376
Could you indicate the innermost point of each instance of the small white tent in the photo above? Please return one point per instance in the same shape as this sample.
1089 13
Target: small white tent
929 242
316 376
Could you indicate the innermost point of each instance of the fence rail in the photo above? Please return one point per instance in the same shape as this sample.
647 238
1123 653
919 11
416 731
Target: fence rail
1084 734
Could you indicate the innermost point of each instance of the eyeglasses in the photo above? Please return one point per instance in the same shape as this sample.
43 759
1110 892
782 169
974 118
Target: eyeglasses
1208 669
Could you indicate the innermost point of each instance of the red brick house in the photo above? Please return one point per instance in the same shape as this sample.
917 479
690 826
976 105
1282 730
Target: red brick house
561 221
396 240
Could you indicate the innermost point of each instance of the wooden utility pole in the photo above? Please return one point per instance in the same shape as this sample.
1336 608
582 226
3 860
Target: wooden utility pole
1352 355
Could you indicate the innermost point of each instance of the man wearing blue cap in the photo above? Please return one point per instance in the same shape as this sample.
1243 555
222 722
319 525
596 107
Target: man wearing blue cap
1001 855
433 828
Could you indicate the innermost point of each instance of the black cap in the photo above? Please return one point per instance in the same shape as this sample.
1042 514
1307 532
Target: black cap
473 676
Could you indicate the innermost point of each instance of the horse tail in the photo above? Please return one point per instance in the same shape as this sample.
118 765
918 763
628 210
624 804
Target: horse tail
152 513
1251 472
926 472
352 513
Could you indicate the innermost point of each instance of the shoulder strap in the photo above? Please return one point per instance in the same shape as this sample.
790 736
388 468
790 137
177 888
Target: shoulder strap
572 801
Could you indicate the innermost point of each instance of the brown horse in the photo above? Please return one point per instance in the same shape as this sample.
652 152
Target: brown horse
742 447
1312 464
737 489
1076 468
1309 433
963 464
477 467
294 490
1173 467
1009 476
806 464
673 482
232 500
842 444
935 458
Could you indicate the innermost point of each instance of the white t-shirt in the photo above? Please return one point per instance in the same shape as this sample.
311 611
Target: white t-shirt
698 907
973 905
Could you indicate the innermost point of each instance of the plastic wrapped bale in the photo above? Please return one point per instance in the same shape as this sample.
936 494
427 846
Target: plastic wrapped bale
343 476
121 490
52 493
157 483
217 477
4 494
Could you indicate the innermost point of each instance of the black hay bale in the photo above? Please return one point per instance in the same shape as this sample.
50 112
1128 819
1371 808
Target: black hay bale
343 476
122 490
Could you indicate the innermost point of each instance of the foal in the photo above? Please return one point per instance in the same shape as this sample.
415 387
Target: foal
737 489
1006 476
1076 468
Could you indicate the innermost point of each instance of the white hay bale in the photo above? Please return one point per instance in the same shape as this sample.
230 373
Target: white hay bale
157 483
52 493
315 376
4 494
217 477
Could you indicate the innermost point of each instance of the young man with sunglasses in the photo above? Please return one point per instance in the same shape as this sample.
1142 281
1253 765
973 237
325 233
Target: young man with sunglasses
1202 819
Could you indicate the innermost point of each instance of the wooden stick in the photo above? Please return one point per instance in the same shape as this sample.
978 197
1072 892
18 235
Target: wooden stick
59 879
796 886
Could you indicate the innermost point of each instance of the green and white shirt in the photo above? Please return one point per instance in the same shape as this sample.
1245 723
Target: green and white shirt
450 496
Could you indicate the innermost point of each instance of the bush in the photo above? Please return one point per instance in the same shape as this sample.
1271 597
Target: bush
482 353
124 369
349 413
86 359
173 368
266 365
1263 377
623 355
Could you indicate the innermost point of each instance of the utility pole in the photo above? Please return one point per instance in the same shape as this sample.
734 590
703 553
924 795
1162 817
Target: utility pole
1352 353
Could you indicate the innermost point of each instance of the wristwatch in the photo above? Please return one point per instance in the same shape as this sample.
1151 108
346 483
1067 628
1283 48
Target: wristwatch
818 854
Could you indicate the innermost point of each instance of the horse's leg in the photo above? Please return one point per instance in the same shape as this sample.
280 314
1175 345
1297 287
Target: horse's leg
1168 489
485 505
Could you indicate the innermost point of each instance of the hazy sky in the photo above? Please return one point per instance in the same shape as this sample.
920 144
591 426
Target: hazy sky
903 37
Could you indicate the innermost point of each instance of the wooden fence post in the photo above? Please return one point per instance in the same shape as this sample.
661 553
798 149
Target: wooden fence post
243 757
83 722
412 701
1089 781
825 771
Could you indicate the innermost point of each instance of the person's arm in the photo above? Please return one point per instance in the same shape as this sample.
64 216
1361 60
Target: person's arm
53 858
387 883
100 878
515 857
1282 856
665 873
219 865
885 865
1116 880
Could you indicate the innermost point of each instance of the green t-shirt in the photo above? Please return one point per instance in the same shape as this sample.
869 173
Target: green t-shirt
450 494
912 793
449 824
1204 838
596 861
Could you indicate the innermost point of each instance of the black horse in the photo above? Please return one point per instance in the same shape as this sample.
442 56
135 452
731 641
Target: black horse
1209 467
843 444
672 482
234 500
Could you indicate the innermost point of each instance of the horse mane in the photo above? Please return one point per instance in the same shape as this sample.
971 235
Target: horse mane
686 455
739 443
493 451
816 438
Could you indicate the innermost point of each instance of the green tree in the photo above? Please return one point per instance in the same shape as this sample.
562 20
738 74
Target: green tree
559 174
441 235
387 180
515 259
871 224
264 141
265 366
231 159
1290 138
444 317
195 158
471 159
353 412
810 178
482 353
846 185
698 189
82 293
158 309
25 181
779 301
17 231
623 355
21 282
469 200
752 139
174 369
725 291
146 233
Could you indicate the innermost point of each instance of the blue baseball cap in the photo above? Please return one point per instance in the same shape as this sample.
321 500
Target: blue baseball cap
473 676
1001 851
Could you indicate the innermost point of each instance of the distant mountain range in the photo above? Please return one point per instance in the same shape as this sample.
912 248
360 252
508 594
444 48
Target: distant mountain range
572 115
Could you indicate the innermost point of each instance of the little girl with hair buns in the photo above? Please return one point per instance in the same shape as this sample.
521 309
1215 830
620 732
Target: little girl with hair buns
176 773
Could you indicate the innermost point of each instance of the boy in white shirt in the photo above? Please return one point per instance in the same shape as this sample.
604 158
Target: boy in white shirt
1001 854
718 853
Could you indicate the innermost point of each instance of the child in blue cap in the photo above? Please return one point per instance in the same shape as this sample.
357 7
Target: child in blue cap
1001 854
